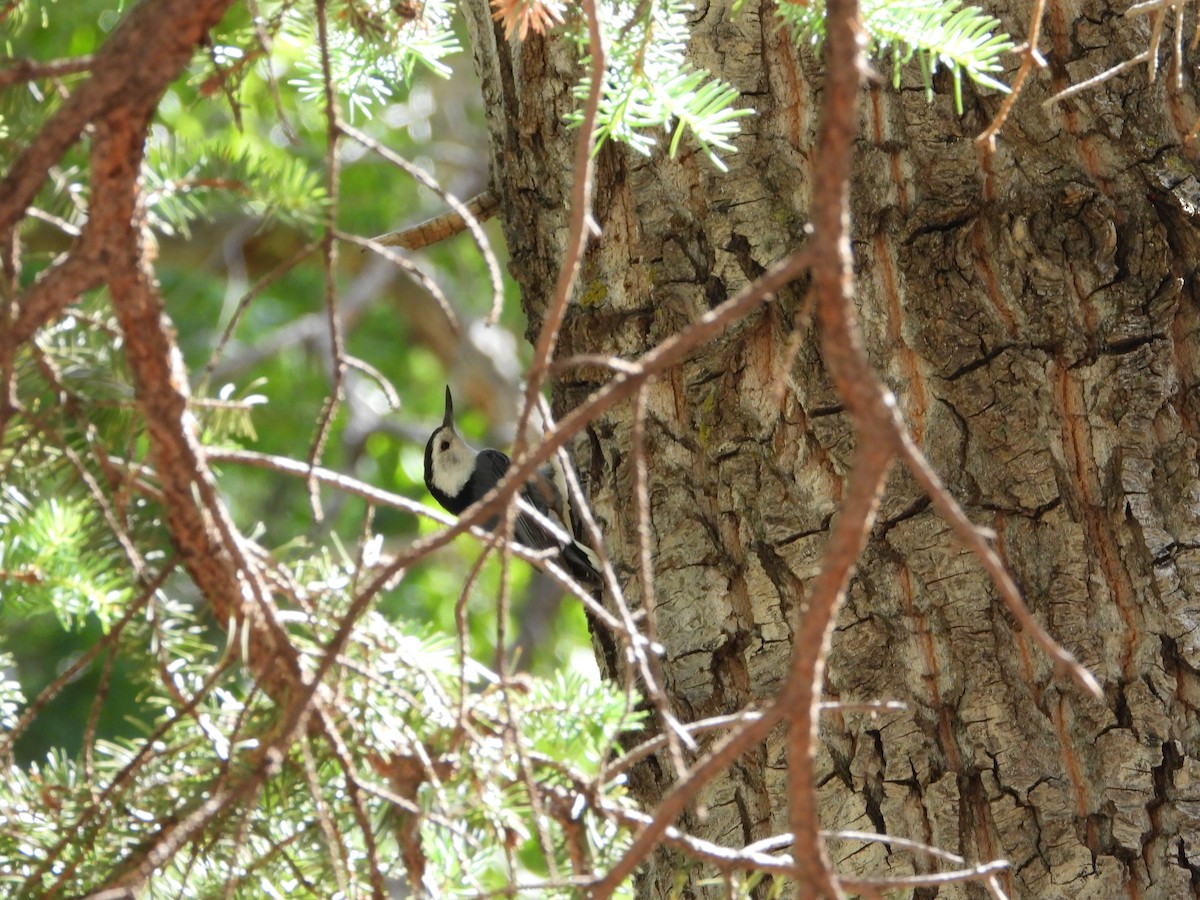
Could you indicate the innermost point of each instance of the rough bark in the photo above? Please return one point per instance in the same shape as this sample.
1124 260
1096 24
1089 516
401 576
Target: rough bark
1038 320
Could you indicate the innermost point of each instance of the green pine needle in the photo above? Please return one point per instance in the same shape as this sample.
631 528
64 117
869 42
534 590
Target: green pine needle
649 85
189 180
933 32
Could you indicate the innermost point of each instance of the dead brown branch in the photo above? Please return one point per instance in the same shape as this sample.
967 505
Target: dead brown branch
481 207
15 71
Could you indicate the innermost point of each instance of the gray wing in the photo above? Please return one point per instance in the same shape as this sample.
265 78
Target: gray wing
491 466
542 494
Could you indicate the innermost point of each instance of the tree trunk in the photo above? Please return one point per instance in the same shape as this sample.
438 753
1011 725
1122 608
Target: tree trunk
1037 318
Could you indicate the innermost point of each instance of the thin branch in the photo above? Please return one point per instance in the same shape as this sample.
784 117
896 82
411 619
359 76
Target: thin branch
581 224
333 128
311 328
977 542
1178 47
463 211
412 269
1031 57
244 303
72 275
381 381
656 743
641 514
441 227
462 628
1150 6
15 71
339 856
67 228
1095 80
265 43
595 360
754 857
984 872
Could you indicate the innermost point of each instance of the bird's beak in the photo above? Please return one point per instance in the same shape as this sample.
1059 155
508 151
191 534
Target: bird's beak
448 419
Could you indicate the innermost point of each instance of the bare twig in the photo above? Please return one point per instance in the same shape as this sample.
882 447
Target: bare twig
381 381
1031 57
464 211
580 226
263 33
756 856
333 131
412 269
58 222
656 743
244 303
1178 46
1095 80
354 793
977 542
1150 6
438 228
339 857
641 512
14 71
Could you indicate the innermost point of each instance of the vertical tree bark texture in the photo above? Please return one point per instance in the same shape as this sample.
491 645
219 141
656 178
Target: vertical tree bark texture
1040 326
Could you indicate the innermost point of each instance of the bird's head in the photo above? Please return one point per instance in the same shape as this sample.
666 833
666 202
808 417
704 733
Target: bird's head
449 460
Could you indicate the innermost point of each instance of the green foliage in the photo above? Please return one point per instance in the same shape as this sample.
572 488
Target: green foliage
189 180
374 46
162 713
572 717
933 32
227 417
48 560
402 697
649 84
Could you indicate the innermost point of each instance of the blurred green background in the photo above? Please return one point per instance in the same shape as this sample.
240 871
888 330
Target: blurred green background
236 183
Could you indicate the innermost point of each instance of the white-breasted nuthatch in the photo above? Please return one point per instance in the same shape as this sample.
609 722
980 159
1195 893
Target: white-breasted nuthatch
458 475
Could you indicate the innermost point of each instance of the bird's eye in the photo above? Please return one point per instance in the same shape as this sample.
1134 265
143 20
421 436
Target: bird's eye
445 446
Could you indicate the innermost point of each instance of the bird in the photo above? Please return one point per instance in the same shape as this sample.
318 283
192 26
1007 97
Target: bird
458 475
